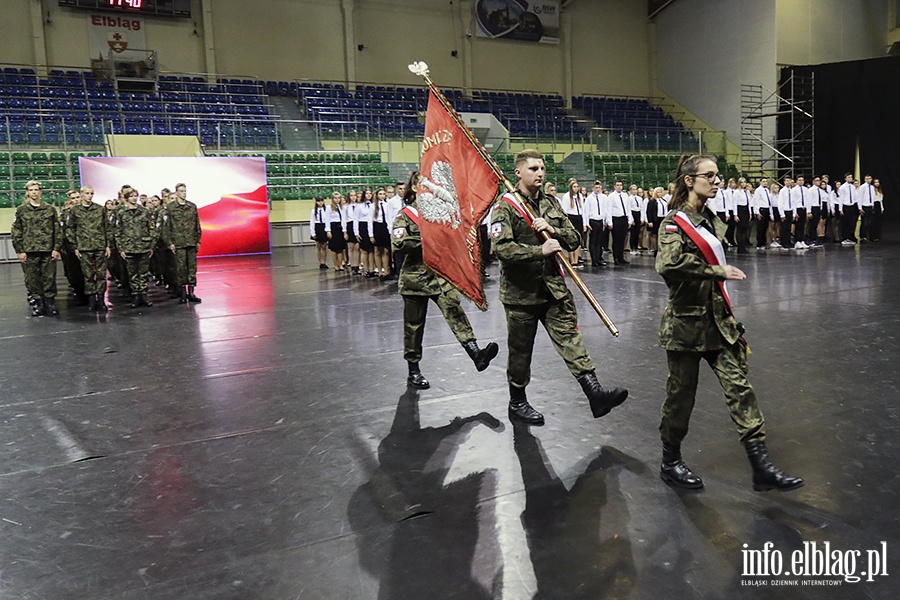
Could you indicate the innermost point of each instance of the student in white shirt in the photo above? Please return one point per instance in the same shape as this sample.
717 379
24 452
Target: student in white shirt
394 206
717 203
742 198
787 213
634 206
730 190
877 211
867 201
337 227
818 209
595 213
618 220
762 212
351 234
800 205
774 226
849 210
382 235
364 225
572 202
318 230
656 210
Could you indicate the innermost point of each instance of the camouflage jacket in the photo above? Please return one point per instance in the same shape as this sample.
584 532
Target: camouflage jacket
416 279
36 229
696 318
135 230
527 276
180 224
86 227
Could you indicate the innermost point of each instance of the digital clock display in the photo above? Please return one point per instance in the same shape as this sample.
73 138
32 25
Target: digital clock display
161 8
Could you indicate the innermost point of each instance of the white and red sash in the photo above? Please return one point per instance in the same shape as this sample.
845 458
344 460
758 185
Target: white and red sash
514 202
412 213
709 245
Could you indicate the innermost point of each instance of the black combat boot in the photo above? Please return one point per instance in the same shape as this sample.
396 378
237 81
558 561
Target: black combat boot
416 379
182 294
50 307
520 410
145 300
674 471
601 401
765 475
92 302
191 297
37 307
137 300
101 303
482 357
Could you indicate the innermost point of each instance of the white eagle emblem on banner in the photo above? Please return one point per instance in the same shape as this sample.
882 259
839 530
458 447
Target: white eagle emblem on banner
440 204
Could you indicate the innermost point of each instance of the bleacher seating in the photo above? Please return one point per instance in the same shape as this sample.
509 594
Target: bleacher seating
637 124
77 108
553 171
57 171
645 170
303 175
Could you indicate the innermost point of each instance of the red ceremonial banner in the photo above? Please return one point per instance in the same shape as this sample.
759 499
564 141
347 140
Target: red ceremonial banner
455 191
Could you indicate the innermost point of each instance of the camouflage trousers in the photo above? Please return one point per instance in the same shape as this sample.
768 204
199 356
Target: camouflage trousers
730 366
72 269
560 320
40 275
138 265
93 265
186 266
414 310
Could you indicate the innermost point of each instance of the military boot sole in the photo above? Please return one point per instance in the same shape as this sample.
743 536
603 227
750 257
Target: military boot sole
488 354
611 399
680 483
767 487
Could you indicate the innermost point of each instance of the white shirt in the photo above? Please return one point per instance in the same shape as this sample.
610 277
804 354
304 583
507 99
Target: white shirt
617 206
816 196
595 207
866 194
800 197
848 195
566 203
394 206
382 213
761 199
784 201
316 215
730 202
717 202
336 216
742 197
364 213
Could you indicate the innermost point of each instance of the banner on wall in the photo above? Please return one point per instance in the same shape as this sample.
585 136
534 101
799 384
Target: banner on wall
522 20
119 33
230 194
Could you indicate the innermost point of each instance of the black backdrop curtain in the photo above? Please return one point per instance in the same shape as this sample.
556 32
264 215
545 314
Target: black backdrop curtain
859 102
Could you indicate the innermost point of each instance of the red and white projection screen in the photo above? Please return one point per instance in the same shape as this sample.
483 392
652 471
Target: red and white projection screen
230 194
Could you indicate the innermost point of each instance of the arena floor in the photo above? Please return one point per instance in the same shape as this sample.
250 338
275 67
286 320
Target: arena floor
263 445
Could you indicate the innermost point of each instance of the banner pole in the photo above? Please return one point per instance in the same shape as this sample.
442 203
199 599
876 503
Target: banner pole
421 69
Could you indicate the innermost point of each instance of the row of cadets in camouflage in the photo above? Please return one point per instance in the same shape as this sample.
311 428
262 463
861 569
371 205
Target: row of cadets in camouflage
87 251
37 240
417 285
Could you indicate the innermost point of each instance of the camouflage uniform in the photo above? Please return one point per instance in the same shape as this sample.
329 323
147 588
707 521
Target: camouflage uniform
417 285
181 228
36 232
86 231
136 235
71 264
697 324
532 289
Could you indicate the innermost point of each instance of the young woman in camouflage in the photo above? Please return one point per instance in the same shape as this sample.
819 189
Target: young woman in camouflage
698 324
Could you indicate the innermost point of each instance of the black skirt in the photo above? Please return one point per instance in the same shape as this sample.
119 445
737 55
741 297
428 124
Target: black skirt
382 237
337 243
351 237
365 243
319 233
653 226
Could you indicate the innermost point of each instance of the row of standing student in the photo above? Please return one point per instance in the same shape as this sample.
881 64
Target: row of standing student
355 229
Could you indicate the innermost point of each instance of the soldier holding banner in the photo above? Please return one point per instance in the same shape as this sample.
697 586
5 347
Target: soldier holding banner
418 284
698 324
532 290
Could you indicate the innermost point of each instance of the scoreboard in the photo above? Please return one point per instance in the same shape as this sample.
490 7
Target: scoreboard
154 8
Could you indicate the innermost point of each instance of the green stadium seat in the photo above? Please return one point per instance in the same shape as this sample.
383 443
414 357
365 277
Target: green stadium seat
94 155
20 157
57 158
5 200
4 158
59 171
39 158
4 170
22 172
40 171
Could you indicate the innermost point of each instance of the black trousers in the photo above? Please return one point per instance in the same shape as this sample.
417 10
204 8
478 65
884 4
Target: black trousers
866 222
762 225
635 230
800 228
785 234
619 233
816 212
743 228
598 241
848 222
875 225
729 233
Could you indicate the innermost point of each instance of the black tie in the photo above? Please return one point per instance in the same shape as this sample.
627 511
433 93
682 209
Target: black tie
624 212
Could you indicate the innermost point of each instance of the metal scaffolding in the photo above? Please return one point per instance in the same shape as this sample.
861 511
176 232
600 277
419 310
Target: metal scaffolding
792 149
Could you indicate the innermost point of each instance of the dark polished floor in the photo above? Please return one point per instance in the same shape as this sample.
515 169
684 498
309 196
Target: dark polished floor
263 444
